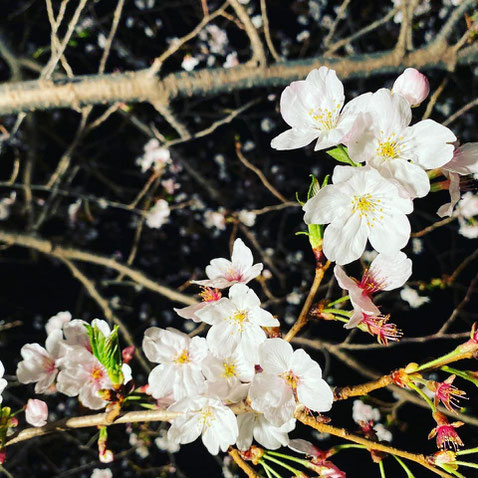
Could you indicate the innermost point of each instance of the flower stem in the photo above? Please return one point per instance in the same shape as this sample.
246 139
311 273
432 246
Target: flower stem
288 457
270 469
467 452
465 463
382 469
284 465
450 357
423 395
405 467
339 301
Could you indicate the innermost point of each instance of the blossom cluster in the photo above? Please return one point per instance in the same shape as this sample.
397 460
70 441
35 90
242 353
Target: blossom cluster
208 379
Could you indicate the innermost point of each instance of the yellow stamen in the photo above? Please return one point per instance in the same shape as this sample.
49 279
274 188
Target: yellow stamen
229 369
183 357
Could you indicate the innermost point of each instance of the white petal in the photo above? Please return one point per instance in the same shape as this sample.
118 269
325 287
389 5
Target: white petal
275 355
390 234
294 138
241 255
392 271
246 423
326 205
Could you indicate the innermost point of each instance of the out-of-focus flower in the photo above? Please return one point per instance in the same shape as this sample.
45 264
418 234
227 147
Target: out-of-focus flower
36 412
165 444
3 382
361 412
215 219
189 62
101 473
158 215
240 269
411 296
155 156
6 204
412 85
247 217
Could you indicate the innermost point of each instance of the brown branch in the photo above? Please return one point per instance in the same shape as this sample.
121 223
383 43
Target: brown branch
49 248
342 393
234 454
303 316
141 86
370 445
433 226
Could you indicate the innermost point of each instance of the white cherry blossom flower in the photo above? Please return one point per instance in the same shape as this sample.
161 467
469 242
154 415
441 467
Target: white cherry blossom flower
464 162
359 205
101 473
398 151
158 215
236 322
226 373
256 426
313 110
207 417
411 296
468 206
208 295
362 412
3 382
41 364
413 86
223 273
83 375
57 322
36 412
155 156
287 374
386 272
179 358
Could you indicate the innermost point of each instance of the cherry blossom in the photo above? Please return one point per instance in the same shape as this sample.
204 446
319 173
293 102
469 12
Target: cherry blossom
41 364
236 322
226 374
57 322
359 205
36 412
208 295
158 215
83 375
445 432
256 426
101 473
287 374
154 156
207 417
179 358
463 163
411 296
313 110
398 151
223 273
386 272
413 86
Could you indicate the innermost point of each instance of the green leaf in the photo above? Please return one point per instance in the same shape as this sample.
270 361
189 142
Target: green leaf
341 154
107 351
314 187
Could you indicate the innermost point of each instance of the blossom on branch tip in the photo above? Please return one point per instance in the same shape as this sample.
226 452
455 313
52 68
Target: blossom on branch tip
237 322
413 86
359 205
179 357
287 375
207 417
313 110
223 273
446 393
445 433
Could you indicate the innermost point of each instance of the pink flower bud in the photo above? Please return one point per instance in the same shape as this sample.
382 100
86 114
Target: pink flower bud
413 85
36 412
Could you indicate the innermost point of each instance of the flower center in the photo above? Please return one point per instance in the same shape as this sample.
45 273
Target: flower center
239 319
96 374
326 118
390 148
368 207
229 369
291 379
207 417
210 295
183 357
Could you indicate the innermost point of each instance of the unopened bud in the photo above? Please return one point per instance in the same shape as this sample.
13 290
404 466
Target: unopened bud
413 86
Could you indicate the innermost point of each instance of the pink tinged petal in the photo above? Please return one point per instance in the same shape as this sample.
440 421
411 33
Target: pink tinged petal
391 271
413 86
36 412
430 141
89 398
246 423
218 268
345 282
465 160
454 189
390 234
161 381
326 205
294 138
275 356
345 242
189 312
252 273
